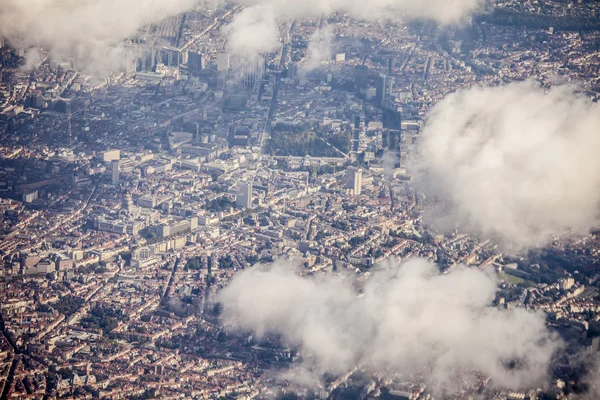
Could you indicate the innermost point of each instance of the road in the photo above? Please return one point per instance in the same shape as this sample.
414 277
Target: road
217 22
171 279
265 134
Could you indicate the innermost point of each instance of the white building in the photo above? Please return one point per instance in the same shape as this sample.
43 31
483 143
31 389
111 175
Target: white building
244 195
115 170
222 62
111 155
354 180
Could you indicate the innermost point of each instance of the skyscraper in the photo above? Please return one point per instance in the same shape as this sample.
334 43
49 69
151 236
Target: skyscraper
115 170
361 77
147 59
382 87
196 62
223 62
292 71
171 57
255 71
354 180
244 195
356 134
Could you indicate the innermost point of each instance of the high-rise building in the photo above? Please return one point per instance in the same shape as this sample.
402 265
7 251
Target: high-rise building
223 62
354 180
254 71
196 62
147 59
244 195
292 71
356 134
361 77
394 145
381 88
115 170
171 57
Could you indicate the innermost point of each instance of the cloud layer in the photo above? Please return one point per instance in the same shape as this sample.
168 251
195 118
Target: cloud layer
515 163
91 31
442 11
407 319
319 49
254 30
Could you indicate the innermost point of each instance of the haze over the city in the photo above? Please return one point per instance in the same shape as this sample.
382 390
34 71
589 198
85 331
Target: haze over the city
273 199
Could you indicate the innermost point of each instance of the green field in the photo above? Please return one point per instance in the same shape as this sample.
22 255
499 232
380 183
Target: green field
515 280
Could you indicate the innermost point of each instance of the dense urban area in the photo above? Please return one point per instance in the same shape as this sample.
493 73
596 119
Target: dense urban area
129 200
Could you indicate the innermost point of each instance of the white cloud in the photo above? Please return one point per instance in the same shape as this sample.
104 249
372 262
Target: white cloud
408 319
91 31
443 11
242 27
319 49
253 31
516 163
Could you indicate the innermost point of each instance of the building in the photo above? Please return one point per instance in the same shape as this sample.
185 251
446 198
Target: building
196 62
254 71
356 134
354 180
381 88
171 57
111 155
244 195
127 203
115 170
223 62
147 201
28 197
361 77
62 262
566 284
119 226
146 62
44 266
177 227
292 71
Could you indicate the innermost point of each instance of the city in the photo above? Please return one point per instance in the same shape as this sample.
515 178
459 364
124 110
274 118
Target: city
149 210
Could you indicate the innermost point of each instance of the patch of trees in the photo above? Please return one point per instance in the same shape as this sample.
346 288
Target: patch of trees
95 268
252 259
226 262
220 204
303 140
194 263
43 308
68 304
375 253
105 318
357 240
